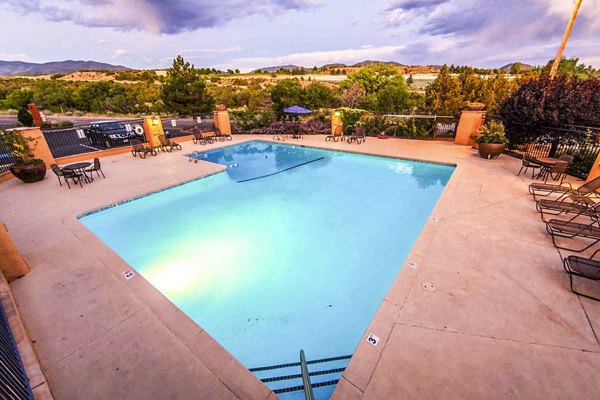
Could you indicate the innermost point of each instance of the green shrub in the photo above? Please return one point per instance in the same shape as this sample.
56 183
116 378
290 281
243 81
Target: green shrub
25 117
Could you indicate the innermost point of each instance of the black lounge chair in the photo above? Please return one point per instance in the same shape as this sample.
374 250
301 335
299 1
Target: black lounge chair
96 167
570 230
137 147
202 136
574 205
563 190
167 144
584 268
66 174
297 134
338 133
358 136
221 137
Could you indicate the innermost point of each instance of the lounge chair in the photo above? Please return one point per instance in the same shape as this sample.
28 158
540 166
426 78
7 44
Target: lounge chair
137 147
584 268
66 175
297 134
563 190
358 136
338 133
573 205
202 136
221 137
167 144
96 167
570 230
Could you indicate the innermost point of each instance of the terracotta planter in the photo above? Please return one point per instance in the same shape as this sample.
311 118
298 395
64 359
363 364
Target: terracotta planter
29 173
491 151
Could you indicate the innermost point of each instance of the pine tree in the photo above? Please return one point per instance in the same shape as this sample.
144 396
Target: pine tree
184 90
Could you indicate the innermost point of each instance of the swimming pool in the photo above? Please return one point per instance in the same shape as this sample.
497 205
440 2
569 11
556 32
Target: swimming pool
290 248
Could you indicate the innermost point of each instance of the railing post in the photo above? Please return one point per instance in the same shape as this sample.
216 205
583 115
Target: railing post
308 393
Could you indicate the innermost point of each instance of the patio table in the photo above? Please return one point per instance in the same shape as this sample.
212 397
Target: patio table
80 169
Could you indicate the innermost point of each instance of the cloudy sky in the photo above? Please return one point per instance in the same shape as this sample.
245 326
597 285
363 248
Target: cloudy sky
252 34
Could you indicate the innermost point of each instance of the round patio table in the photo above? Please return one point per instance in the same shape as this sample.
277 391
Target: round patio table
80 168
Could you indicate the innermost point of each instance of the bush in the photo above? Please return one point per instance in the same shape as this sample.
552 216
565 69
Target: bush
544 102
25 117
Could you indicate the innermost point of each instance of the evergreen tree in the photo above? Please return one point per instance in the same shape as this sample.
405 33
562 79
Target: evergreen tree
184 91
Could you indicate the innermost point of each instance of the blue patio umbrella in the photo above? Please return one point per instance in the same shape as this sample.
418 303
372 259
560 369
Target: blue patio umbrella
296 110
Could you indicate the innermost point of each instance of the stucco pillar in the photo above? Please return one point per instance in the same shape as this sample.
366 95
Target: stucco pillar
41 150
152 129
595 171
221 119
469 123
12 264
336 120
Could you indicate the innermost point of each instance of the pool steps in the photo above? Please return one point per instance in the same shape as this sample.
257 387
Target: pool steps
287 378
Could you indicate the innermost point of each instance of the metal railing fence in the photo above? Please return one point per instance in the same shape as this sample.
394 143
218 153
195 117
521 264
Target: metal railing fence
579 141
6 158
14 384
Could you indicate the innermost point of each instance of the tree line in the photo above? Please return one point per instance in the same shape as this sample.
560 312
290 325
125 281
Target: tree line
187 90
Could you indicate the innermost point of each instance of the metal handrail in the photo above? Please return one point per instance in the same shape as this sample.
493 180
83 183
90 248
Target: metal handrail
308 393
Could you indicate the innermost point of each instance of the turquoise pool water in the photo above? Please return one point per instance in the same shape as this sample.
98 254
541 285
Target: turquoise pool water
291 248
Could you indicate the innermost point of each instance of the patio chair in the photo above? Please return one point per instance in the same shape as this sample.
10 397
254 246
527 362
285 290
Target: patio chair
167 144
66 175
137 147
566 157
202 136
583 268
573 205
563 190
571 230
338 133
358 136
96 167
528 162
557 171
297 134
221 137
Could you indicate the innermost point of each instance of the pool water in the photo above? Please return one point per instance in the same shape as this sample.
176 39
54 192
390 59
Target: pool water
290 248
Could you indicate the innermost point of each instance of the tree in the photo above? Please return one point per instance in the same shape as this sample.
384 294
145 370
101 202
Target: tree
394 97
351 95
24 117
444 95
516 68
286 93
373 77
318 95
184 91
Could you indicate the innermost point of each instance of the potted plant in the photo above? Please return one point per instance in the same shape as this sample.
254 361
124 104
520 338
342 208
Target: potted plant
491 140
27 168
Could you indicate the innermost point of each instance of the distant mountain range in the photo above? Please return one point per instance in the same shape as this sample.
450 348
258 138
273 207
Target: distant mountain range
56 67
329 66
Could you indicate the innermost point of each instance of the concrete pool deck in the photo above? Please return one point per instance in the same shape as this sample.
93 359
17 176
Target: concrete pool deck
486 312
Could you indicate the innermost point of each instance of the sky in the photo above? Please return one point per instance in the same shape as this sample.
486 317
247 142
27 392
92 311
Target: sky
148 34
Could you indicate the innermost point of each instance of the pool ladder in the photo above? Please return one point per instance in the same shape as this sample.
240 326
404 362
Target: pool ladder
304 374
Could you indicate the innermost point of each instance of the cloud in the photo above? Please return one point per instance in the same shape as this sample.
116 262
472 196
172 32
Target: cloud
14 57
319 58
156 16
119 53
484 29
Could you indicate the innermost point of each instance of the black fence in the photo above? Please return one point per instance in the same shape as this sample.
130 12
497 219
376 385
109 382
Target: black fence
407 126
420 126
14 384
579 141
6 158
81 140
